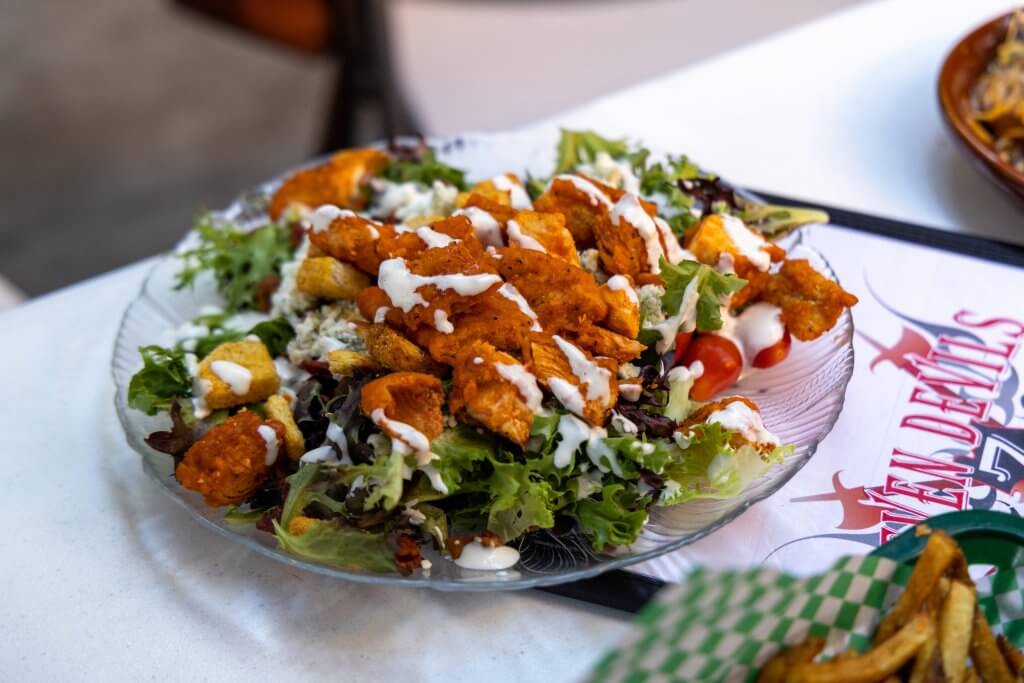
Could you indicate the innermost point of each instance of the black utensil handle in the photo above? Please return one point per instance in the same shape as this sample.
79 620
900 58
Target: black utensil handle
617 589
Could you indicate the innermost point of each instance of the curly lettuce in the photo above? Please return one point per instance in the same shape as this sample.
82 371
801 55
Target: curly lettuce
162 379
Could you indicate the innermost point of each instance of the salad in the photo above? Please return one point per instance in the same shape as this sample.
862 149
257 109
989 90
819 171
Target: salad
406 358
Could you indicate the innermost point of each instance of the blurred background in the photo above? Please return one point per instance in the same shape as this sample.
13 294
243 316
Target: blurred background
121 120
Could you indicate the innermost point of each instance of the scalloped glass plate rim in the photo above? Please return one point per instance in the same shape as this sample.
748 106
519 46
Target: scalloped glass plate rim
608 563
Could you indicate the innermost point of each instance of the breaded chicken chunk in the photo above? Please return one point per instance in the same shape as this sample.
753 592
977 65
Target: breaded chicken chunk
229 463
406 406
494 390
713 237
583 384
337 181
810 302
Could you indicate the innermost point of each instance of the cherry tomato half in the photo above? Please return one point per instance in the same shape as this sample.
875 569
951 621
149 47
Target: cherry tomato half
774 354
722 365
682 343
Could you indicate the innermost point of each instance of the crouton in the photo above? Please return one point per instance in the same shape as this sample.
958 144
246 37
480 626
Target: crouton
593 399
810 302
494 390
393 351
229 463
406 406
508 190
279 409
237 373
710 239
623 307
530 229
338 181
344 363
326 277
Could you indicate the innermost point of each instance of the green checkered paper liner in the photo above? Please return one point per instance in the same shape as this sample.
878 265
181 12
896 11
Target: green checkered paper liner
721 626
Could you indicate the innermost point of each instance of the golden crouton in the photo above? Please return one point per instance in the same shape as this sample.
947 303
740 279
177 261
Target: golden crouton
238 373
420 221
410 398
229 463
488 188
388 347
710 240
338 181
328 278
279 409
344 363
500 197
482 395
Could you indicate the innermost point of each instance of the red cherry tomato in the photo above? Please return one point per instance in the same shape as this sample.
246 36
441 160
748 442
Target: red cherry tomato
774 354
682 343
722 365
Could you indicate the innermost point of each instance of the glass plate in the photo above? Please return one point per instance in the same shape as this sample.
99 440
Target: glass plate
800 400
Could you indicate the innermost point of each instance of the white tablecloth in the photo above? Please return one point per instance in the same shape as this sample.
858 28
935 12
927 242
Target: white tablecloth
102 578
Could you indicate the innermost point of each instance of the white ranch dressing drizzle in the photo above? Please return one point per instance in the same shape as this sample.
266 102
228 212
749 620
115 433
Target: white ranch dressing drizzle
337 435
738 417
620 283
475 555
270 438
433 238
674 252
441 322
486 226
436 482
597 379
568 394
623 424
683 321
323 454
381 314
593 192
407 435
759 327
629 209
524 382
510 292
518 238
574 432
747 242
631 392
400 284
200 387
322 218
516 193
238 378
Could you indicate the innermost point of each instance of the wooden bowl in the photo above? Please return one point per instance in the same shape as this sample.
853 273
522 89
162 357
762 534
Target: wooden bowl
961 70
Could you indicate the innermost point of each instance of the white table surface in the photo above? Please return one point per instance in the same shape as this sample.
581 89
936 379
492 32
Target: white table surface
103 578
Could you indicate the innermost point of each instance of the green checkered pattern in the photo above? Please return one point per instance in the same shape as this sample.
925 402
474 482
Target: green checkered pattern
722 626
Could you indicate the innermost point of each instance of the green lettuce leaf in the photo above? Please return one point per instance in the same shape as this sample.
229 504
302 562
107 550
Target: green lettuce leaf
238 260
383 479
519 501
774 221
162 379
461 450
299 493
329 543
275 335
710 468
642 454
436 522
425 171
617 519
711 287
576 147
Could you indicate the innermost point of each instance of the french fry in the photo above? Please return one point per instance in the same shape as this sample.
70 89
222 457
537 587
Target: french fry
985 654
928 662
940 552
774 670
955 620
1014 657
882 661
